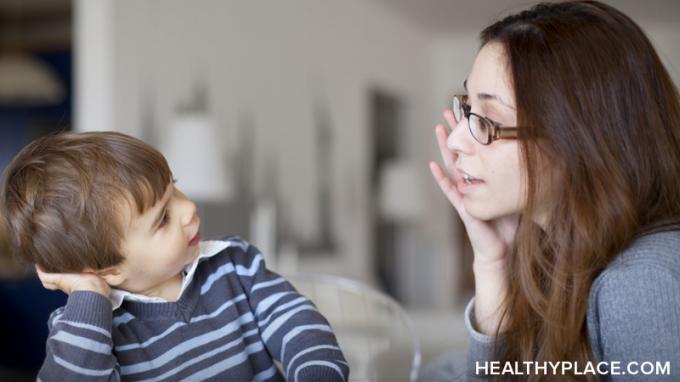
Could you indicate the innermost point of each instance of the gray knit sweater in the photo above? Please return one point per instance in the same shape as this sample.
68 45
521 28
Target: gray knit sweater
633 317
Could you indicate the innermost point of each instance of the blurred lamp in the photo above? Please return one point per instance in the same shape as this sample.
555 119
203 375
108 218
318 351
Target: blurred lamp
25 80
194 154
400 193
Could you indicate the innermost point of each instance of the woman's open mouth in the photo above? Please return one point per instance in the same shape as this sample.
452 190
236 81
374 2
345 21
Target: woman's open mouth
467 182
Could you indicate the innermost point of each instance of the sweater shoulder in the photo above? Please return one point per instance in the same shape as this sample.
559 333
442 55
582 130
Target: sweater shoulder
644 264
635 299
238 252
236 265
654 252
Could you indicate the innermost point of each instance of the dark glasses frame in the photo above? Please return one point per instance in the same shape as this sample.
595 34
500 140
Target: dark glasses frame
489 130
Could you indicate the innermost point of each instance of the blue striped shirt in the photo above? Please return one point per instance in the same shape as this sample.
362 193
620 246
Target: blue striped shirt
234 321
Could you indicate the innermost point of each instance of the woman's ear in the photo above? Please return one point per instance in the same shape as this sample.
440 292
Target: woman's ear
112 275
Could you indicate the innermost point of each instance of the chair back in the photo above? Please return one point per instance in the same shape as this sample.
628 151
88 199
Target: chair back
373 330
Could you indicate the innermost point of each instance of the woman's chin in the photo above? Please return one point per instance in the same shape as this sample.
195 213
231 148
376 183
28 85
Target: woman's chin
484 210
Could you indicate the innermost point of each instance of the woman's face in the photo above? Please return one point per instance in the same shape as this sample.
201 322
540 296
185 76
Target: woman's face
499 189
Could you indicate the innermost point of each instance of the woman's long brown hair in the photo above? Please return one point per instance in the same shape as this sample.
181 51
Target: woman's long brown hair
596 108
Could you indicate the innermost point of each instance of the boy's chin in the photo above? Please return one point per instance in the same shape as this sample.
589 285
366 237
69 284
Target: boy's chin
193 253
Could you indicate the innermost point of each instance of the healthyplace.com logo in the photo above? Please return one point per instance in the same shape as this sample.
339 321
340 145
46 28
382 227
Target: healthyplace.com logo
572 368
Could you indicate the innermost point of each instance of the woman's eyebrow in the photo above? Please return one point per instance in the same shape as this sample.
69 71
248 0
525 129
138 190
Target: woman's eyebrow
489 97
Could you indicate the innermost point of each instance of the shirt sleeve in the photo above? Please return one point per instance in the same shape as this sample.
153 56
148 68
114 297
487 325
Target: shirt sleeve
79 344
293 330
638 321
481 348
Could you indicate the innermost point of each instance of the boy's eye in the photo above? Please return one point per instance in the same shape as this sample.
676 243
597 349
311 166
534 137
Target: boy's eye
164 219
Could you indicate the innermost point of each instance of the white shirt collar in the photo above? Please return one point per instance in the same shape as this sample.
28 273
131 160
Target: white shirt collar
206 249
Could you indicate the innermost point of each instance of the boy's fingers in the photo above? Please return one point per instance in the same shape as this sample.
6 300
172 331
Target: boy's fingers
50 281
44 276
45 281
47 277
49 286
41 275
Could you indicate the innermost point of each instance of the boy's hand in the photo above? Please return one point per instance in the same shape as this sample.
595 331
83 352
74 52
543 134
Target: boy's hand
70 282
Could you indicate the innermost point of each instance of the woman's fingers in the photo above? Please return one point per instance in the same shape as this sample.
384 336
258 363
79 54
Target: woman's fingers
451 121
448 157
450 118
446 185
454 196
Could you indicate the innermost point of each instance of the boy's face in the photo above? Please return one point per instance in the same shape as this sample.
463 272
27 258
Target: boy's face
158 244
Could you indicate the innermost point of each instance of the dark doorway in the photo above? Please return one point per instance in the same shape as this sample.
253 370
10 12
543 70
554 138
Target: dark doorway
386 115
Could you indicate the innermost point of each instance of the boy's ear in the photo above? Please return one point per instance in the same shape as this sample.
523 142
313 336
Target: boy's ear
112 275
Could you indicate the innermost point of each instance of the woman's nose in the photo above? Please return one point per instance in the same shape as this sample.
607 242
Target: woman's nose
459 139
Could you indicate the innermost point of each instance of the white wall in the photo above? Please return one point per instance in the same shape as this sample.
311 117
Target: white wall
93 39
664 36
272 59
453 55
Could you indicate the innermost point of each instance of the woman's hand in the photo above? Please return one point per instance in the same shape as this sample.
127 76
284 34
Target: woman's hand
491 240
71 282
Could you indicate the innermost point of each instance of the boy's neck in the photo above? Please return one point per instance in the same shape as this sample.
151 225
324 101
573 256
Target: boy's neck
168 291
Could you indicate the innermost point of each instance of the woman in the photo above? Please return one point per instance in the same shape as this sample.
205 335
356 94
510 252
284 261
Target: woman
563 163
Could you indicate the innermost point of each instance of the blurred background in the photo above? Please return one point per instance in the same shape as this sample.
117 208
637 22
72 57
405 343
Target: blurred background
304 126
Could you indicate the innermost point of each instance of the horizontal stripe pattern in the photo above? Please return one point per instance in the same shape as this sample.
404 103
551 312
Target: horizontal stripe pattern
234 316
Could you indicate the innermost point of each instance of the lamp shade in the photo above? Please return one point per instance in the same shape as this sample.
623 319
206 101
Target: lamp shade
400 193
25 80
194 154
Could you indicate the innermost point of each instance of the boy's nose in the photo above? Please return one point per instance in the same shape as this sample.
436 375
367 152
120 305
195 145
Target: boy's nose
189 212
187 208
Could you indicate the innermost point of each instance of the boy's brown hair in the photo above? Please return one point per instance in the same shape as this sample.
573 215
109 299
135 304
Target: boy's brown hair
62 197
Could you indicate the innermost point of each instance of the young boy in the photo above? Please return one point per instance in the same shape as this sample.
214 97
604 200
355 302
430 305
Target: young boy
99 215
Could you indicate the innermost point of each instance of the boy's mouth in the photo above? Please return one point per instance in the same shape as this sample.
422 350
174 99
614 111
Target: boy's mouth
195 240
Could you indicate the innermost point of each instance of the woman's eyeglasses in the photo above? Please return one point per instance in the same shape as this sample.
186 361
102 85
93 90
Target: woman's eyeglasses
482 129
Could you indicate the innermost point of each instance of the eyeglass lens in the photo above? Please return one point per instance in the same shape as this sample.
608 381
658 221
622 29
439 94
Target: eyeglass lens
478 127
457 109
